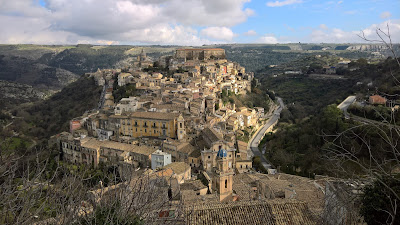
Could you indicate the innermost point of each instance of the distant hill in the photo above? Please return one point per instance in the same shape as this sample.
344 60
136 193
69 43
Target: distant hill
27 71
12 94
85 58
255 57
48 117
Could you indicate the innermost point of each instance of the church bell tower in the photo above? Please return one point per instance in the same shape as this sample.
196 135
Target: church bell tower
225 176
181 127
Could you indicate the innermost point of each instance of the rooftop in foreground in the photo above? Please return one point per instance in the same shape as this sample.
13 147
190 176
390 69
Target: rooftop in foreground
250 212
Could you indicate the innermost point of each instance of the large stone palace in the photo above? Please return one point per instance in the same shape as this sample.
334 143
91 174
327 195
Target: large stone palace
200 53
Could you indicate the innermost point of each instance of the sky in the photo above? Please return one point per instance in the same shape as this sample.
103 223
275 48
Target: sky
195 22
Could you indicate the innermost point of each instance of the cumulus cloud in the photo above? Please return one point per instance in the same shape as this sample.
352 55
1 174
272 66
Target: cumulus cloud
218 33
268 39
250 33
386 15
126 21
283 3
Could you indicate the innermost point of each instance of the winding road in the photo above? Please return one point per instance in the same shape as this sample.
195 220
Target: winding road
259 135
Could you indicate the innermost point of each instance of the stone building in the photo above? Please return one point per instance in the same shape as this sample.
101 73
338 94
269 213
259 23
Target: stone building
223 176
148 124
200 53
213 143
92 151
180 151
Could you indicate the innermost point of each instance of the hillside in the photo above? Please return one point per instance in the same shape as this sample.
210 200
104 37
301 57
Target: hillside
301 144
48 117
256 57
12 94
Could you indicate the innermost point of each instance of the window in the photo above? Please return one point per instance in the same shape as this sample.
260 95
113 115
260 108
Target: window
226 183
180 124
209 157
219 147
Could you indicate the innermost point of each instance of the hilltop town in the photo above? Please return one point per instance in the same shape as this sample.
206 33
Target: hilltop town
189 135
178 127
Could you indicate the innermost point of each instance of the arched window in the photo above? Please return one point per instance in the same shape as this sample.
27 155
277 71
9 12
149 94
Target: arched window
226 183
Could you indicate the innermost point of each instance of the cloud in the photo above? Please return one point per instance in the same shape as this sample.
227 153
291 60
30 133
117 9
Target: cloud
386 15
268 39
250 33
207 13
323 26
335 35
283 3
218 33
126 21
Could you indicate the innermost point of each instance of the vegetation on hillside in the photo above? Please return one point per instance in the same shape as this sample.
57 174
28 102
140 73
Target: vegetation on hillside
85 58
300 145
379 205
255 98
52 116
120 92
257 58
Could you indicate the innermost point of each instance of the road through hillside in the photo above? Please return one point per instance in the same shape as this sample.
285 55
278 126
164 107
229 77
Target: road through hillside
254 142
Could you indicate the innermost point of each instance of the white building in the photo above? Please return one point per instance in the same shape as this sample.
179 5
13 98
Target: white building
126 105
160 159
104 134
124 78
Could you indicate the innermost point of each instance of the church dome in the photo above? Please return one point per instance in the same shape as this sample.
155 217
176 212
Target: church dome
222 153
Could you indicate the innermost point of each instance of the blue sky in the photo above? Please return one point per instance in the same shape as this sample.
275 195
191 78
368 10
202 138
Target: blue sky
296 20
194 22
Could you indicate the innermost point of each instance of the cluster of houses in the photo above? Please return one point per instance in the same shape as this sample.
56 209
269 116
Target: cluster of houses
175 121
177 128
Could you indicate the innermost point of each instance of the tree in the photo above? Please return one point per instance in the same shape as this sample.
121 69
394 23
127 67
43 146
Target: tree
370 149
380 205
35 187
